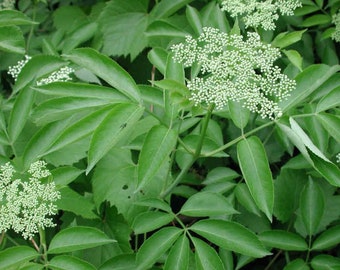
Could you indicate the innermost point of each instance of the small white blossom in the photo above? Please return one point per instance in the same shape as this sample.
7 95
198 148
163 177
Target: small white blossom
260 13
336 21
7 4
338 158
14 71
26 205
235 69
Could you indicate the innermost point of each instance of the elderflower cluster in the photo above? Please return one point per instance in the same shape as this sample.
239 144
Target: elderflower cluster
336 21
61 75
260 13
235 69
7 4
26 205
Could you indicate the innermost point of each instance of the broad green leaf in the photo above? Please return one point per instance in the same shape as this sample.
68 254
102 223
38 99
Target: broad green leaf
331 123
204 204
283 240
227 258
158 144
69 17
48 47
307 82
294 57
317 19
80 129
31 266
14 17
231 236
120 262
255 169
15 256
66 262
178 258
194 19
285 39
165 8
158 57
244 197
331 100
155 246
220 187
312 206
152 95
213 16
71 89
297 264
206 257
155 203
151 220
20 113
77 238
220 174
173 86
239 114
328 239
62 107
73 202
12 39
304 10
107 69
115 127
164 29
325 262
62 176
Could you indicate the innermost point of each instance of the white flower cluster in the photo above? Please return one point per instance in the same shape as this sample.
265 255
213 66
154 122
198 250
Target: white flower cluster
61 75
260 13
235 69
7 4
26 205
336 21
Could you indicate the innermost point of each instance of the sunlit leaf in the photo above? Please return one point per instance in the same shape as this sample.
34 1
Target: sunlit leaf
14 256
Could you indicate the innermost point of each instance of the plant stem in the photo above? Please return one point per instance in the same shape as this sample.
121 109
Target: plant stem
194 157
43 245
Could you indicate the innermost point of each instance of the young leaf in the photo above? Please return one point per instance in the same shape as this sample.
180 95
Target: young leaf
206 257
285 39
107 69
255 169
149 221
178 258
239 114
158 144
294 57
77 238
325 262
115 126
231 236
283 240
328 239
155 246
13 257
207 204
66 262
297 264
12 40
312 206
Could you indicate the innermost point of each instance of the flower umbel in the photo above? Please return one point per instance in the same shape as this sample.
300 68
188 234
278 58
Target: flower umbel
26 205
235 69
260 13
336 21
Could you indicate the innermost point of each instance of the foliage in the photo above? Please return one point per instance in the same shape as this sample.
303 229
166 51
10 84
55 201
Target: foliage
176 134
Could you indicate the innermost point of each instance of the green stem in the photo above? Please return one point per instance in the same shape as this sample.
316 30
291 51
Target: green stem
309 247
43 245
195 156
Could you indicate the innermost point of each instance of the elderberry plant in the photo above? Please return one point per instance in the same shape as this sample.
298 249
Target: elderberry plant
336 21
235 69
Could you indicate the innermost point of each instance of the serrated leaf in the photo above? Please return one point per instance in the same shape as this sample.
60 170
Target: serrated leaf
163 239
331 123
231 236
255 169
66 262
107 69
12 39
328 239
158 144
331 100
325 262
14 17
77 238
14 256
207 204
206 257
151 220
178 258
283 240
115 127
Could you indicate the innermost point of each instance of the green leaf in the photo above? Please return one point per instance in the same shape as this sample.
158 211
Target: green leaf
14 17
15 256
206 257
165 8
155 246
73 202
220 174
115 127
317 19
194 19
62 176
173 86
309 80
178 258
331 123
158 144
239 114
151 220
107 69
158 57
294 57
12 39
286 39
331 100
231 236
283 240
297 264
65 262
312 206
155 203
120 262
325 262
328 239
255 169
77 238
164 29
31 266
20 113
244 197
207 204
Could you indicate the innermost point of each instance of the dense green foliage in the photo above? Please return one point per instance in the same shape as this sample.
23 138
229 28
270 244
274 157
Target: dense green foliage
178 134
